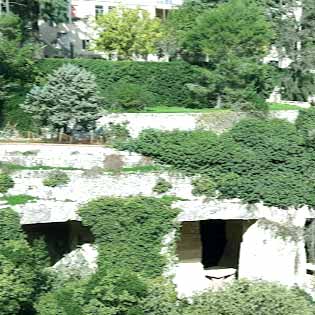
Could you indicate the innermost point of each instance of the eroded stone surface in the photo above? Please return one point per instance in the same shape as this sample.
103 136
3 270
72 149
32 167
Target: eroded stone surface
76 156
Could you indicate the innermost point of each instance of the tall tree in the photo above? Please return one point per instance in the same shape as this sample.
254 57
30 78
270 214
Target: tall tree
16 58
234 37
180 22
294 24
31 11
68 101
127 33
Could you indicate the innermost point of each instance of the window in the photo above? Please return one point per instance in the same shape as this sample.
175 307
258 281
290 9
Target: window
99 10
161 13
85 44
110 8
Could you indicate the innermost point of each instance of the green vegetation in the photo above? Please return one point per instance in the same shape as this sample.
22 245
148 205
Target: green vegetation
204 186
176 109
257 160
141 169
233 37
13 200
56 178
114 133
281 106
162 186
11 167
129 231
248 298
68 101
127 32
22 276
167 81
6 182
125 97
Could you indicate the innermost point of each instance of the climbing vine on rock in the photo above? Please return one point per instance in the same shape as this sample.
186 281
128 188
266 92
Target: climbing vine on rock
258 160
162 186
129 231
6 182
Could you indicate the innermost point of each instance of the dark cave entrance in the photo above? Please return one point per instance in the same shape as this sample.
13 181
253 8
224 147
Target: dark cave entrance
213 240
60 237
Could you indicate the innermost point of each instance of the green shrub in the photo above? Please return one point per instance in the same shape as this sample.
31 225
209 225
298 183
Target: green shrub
258 160
10 228
129 231
305 123
186 150
6 182
68 101
166 80
56 178
162 186
13 200
22 276
204 186
115 133
248 298
124 96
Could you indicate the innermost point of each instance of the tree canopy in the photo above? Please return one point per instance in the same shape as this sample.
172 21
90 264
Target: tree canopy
67 101
127 33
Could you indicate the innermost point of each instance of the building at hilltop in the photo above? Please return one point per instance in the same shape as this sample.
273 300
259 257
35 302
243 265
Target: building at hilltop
76 36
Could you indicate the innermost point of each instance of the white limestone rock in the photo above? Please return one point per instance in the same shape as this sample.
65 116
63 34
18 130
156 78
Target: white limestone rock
80 263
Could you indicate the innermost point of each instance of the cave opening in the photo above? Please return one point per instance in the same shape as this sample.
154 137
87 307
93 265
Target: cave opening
60 237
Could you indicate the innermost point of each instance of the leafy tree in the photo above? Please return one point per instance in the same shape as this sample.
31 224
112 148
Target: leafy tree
68 100
294 25
233 36
237 28
31 11
127 33
17 60
178 25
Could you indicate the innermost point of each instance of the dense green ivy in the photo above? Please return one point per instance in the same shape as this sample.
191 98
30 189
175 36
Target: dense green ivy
22 275
10 228
268 160
129 231
56 178
306 125
6 182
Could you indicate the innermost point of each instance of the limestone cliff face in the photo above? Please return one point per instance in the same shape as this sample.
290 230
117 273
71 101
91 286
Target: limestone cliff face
270 245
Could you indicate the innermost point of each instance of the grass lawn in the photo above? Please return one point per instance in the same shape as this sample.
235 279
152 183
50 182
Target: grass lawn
13 200
139 169
276 106
176 109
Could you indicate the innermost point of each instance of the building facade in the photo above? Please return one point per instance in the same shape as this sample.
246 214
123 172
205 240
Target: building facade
75 37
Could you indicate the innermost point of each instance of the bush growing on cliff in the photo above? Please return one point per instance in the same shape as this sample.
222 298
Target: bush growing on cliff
129 231
6 182
69 100
22 276
56 178
305 123
257 160
162 186
248 298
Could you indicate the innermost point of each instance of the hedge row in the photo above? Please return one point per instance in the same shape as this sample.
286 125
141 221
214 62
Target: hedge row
167 80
